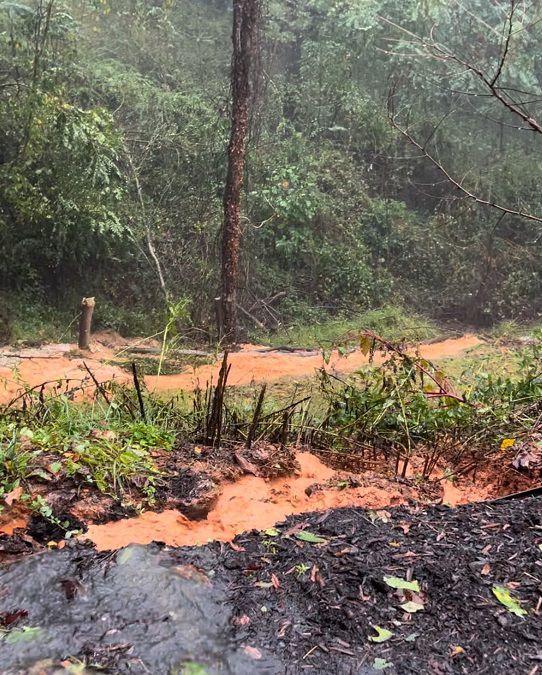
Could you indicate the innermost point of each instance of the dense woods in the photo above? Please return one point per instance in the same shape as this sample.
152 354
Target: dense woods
114 126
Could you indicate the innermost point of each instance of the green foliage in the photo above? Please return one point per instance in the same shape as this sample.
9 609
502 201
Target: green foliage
95 444
318 330
408 406
104 149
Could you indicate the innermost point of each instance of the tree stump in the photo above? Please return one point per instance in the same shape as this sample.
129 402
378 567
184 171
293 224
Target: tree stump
85 322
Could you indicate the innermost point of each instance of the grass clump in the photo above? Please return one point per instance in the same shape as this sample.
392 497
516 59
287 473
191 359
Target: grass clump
100 444
408 408
393 323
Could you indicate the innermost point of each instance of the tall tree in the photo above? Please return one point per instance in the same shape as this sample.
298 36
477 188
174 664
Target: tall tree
245 48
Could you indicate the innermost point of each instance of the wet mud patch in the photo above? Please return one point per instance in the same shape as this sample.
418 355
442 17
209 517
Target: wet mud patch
344 591
138 611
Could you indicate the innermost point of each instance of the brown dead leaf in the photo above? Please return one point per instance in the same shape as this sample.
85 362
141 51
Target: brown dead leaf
242 620
404 526
294 529
247 466
13 496
316 577
192 573
237 548
487 549
252 652
275 581
486 569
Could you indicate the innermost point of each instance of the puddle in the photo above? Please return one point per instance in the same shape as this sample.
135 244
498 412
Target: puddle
250 503
250 364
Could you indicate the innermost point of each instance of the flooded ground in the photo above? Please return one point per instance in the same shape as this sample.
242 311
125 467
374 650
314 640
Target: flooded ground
20 368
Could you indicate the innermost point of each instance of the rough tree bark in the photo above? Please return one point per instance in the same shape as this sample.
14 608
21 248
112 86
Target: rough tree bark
245 23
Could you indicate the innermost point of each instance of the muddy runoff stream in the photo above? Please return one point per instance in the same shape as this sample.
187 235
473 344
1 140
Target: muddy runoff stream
254 503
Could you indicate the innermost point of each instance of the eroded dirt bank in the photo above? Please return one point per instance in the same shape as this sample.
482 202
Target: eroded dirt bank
51 363
308 596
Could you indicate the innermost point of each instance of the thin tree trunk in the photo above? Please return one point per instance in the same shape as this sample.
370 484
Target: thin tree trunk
244 37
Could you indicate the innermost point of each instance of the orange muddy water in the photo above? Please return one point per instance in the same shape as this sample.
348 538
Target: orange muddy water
249 503
252 364
257 503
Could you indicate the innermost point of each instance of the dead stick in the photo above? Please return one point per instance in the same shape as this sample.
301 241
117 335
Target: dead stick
256 418
99 386
138 391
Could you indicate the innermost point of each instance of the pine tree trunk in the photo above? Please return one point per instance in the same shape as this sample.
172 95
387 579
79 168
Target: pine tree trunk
245 23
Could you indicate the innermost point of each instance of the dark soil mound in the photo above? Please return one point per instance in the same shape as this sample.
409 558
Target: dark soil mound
304 597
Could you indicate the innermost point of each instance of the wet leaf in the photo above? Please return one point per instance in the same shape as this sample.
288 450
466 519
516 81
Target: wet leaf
124 556
13 496
26 634
411 607
252 652
381 664
383 634
242 620
271 532
10 618
505 598
193 668
236 547
397 582
192 573
310 538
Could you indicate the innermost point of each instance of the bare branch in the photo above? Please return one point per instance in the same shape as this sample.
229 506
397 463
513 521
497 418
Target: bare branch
458 184
502 61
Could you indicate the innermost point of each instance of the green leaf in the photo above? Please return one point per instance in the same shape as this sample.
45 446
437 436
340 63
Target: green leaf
271 532
55 467
397 582
192 668
411 637
512 604
365 344
124 555
25 634
381 664
309 537
411 607
383 634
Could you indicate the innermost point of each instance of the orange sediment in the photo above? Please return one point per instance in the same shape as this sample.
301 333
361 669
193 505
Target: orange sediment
249 365
249 503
